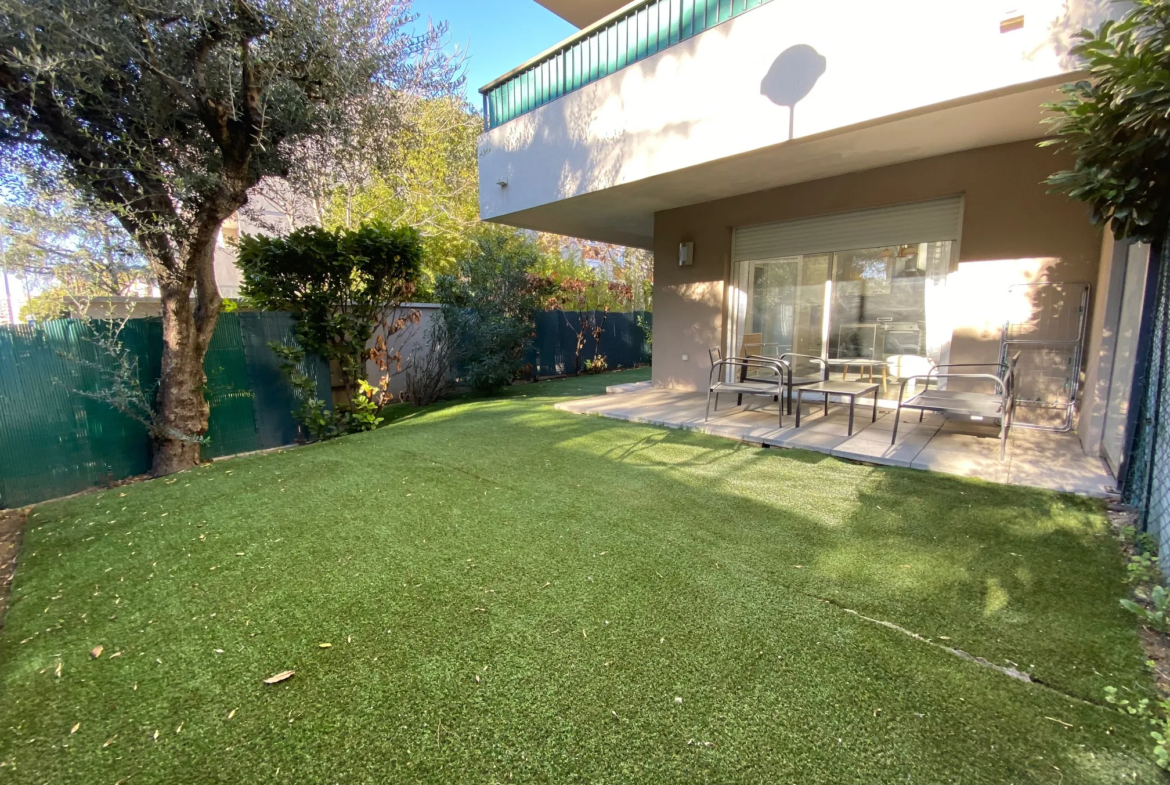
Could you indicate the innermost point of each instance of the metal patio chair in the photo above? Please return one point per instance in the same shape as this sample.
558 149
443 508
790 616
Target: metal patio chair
999 405
772 386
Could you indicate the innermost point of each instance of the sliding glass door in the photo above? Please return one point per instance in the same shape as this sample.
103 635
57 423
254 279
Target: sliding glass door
880 307
784 305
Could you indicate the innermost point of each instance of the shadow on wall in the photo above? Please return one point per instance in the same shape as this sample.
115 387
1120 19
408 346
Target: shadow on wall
793 75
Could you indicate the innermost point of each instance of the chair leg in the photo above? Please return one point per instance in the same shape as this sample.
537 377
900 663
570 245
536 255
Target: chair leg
897 419
707 416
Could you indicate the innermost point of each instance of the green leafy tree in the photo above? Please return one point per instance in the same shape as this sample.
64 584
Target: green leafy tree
425 177
167 112
488 305
346 289
1116 124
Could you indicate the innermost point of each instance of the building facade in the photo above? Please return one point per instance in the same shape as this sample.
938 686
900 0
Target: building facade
851 181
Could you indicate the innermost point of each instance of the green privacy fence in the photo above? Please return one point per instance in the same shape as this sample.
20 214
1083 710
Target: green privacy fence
624 341
55 441
600 50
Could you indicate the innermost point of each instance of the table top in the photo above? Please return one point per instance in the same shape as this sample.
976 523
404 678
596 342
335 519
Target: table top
842 388
855 361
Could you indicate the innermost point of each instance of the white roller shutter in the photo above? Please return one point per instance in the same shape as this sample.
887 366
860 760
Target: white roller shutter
920 222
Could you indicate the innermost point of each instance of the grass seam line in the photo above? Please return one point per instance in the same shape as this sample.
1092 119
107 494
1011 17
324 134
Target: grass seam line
1011 673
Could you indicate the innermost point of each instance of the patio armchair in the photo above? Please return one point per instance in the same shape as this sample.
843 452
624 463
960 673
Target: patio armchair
802 377
790 362
998 405
771 386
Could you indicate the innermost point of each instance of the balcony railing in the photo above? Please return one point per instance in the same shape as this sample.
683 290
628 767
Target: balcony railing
633 33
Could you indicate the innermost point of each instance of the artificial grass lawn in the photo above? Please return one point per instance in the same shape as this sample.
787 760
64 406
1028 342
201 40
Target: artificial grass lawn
514 593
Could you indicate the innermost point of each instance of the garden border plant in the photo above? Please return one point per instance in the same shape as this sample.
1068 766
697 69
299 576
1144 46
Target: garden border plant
347 289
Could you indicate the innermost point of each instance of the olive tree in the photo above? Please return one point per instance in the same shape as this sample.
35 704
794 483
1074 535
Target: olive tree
165 113
1116 124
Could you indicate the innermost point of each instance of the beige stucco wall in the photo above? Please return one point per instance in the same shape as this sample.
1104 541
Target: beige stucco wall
1013 231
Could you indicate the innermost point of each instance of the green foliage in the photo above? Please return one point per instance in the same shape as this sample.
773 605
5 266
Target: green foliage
1155 616
363 415
1142 568
428 179
1143 542
1160 720
488 304
1117 123
596 364
646 322
346 288
312 413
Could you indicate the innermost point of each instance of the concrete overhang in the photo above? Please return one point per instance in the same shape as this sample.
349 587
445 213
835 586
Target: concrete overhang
624 214
582 13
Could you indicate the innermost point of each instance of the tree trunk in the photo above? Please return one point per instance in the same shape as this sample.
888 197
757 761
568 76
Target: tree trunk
187 326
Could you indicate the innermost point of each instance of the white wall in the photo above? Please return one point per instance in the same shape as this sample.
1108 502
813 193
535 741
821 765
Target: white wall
702 100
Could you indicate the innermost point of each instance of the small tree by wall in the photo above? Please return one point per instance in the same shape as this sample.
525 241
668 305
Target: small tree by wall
587 299
345 288
488 304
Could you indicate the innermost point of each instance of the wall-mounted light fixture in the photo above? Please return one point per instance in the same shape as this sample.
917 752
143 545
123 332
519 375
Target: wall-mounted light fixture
502 182
686 254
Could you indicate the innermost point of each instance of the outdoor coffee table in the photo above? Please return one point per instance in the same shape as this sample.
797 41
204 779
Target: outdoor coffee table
849 389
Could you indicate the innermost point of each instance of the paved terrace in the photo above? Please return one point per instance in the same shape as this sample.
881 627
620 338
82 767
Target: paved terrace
1041 459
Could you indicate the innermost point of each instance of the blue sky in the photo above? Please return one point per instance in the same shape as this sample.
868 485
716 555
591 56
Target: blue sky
498 35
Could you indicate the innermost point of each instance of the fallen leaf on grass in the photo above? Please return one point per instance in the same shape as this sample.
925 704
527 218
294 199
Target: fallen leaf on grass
324 645
96 651
109 741
1062 722
278 678
73 730
231 714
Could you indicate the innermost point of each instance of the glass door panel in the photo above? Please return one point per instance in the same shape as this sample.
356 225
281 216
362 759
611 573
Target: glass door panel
884 306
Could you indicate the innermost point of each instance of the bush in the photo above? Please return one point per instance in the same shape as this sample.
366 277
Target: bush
428 377
596 364
345 288
488 305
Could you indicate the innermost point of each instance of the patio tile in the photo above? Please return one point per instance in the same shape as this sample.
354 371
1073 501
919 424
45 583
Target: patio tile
1075 475
983 444
872 451
964 464
808 439
920 434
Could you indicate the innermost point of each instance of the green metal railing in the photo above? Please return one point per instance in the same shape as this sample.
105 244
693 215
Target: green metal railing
623 38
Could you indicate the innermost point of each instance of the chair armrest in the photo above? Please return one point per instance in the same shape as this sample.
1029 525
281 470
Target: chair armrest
990 377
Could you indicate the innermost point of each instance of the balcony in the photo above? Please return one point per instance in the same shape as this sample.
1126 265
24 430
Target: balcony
633 33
